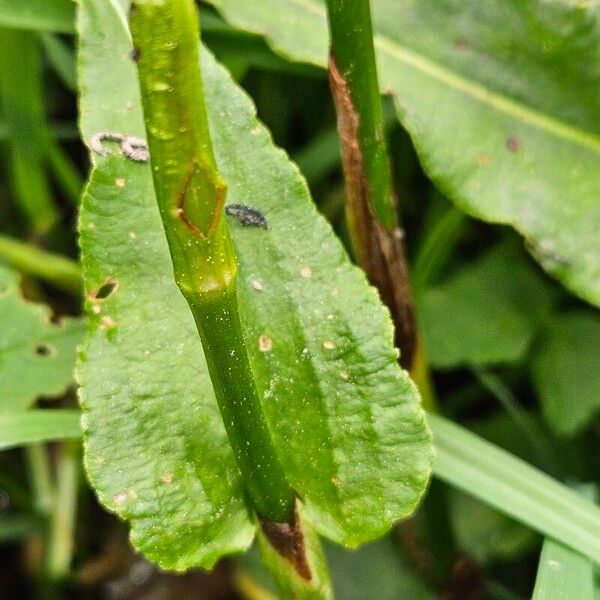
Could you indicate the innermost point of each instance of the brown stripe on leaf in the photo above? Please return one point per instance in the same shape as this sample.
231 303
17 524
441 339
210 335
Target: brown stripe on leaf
379 252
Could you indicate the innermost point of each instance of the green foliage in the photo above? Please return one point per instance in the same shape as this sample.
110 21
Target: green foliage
34 426
566 371
515 488
563 573
347 424
37 356
489 312
500 107
44 15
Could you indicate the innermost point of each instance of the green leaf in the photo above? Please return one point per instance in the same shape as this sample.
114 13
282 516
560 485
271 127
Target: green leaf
37 358
499 99
563 573
345 419
378 571
15 527
515 488
486 534
35 426
566 371
487 313
22 110
44 15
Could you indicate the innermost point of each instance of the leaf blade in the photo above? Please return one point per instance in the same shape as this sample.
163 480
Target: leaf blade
504 148
515 488
35 426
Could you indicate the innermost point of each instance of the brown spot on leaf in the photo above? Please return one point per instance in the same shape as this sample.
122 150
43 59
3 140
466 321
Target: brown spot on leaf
461 44
513 144
120 182
483 160
166 478
306 272
265 343
107 288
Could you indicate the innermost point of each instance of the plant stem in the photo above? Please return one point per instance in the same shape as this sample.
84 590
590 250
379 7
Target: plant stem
377 240
62 523
190 197
60 271
41 479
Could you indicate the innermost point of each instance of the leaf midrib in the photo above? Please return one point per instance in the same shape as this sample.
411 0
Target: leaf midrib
502 103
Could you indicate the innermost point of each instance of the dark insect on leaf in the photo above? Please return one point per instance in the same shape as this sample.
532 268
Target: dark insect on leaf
246 215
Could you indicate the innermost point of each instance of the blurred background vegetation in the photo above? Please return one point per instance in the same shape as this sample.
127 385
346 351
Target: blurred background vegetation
509 346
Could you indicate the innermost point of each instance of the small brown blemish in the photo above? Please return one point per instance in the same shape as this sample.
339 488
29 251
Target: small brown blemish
96 309
483 160
120 182
344 374
132 235
288 540
135 54
336 481
257 286
120 497
45 350
328 345
107 322
513 144
461 44
265 343
98 460
107 288
306 272
167 478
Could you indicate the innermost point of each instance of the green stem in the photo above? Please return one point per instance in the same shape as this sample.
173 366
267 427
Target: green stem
41 479
190 197
62 523
377 240
60 271
354 55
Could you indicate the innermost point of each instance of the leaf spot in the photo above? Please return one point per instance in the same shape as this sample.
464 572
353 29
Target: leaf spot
257 286
336 481
132 235
120 497
344 374
120 182
483 160
328 345
265 343
45 350
513 144
105 290
167 478
306 272
107 322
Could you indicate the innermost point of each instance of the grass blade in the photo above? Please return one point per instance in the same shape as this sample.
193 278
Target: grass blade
563 573
34 426
517 489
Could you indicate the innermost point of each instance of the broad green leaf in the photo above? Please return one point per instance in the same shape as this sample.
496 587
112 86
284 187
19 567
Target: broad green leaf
563 574
500 100
345 419
515 488
487 313
566 371
44 15
37 357
34 426
377 571
486 534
